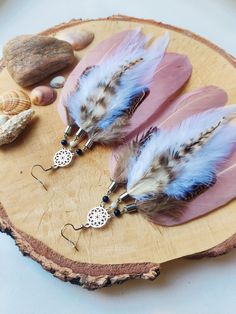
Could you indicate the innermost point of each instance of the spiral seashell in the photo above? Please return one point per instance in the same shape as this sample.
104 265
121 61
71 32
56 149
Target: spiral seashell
78 38
14 102
10 130
43 95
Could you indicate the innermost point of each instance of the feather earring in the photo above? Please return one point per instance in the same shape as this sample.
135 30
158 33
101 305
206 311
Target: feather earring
108 93
182 163
170 169
183 107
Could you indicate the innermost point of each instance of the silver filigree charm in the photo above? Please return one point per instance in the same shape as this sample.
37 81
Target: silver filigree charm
62 158
97 217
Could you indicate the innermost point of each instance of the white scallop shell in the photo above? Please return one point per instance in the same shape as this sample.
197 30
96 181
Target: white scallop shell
10 130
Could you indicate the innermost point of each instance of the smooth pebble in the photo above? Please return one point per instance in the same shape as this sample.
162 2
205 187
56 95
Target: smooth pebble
57 82
43 95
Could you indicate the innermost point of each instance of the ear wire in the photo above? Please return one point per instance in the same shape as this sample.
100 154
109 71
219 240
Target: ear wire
75 229
33 175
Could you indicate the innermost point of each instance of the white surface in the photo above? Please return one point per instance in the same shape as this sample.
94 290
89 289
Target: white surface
185 286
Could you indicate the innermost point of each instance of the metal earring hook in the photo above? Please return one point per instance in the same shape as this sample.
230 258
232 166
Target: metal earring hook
40 166
75 229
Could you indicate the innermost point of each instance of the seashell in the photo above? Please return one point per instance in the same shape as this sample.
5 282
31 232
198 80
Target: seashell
10 130
57 82
14 102
3 119
43 95
78 38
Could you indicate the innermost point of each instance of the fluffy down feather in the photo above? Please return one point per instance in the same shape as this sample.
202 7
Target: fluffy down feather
168 206
181 161
106 93
120 171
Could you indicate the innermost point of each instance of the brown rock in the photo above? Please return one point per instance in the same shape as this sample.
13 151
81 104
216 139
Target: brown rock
30 59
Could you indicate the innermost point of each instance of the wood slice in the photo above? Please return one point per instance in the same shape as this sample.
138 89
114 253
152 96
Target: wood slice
129 247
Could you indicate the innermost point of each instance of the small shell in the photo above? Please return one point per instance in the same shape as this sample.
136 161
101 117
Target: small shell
78 38
3 119
57 82
14 102
43 95
10 130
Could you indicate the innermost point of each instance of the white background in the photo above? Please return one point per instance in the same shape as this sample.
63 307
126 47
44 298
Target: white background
185 286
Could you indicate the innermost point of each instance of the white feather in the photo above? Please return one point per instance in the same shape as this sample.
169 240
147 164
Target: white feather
199 168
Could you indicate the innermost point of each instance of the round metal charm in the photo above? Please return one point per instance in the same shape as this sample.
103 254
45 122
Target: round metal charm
97 217
62 158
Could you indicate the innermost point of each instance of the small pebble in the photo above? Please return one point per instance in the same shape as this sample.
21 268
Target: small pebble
78 38
57 82
43 95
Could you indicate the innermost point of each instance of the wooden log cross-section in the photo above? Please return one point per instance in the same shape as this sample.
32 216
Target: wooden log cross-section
129 247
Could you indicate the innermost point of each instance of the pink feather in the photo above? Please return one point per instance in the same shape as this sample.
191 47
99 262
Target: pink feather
172 73
188 104
218 195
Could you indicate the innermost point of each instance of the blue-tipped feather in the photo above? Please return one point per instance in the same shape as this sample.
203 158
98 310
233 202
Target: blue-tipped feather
105 94
174 161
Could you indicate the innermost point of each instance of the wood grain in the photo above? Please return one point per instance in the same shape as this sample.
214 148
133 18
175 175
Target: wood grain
129 247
